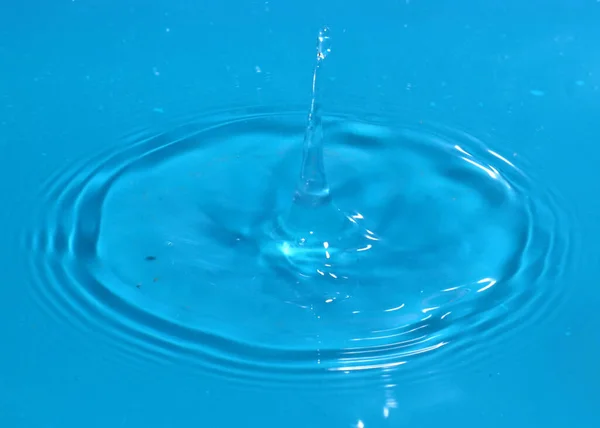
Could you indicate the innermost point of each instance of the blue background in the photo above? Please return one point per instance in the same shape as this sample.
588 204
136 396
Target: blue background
75 76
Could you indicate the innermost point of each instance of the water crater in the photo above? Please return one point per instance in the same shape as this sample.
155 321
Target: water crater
390 245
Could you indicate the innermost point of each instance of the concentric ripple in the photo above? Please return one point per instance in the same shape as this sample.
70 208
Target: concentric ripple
172 248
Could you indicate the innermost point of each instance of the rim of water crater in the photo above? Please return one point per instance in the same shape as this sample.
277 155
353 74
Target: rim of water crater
176 136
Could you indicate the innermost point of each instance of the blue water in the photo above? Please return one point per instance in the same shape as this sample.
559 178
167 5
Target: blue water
165 262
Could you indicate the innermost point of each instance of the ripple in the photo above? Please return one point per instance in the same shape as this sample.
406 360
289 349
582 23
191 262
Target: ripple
168 248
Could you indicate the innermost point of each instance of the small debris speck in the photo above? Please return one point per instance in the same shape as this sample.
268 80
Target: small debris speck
150 258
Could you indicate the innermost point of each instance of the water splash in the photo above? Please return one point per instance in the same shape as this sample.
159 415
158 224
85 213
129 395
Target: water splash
468 243
312 188
315 236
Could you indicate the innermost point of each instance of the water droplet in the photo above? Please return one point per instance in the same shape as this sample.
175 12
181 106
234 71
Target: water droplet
323 44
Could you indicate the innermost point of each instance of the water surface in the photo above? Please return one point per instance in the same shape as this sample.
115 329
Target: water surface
122 126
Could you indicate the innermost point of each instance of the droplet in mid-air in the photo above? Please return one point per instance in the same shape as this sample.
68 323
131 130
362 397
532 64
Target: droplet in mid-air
323 44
